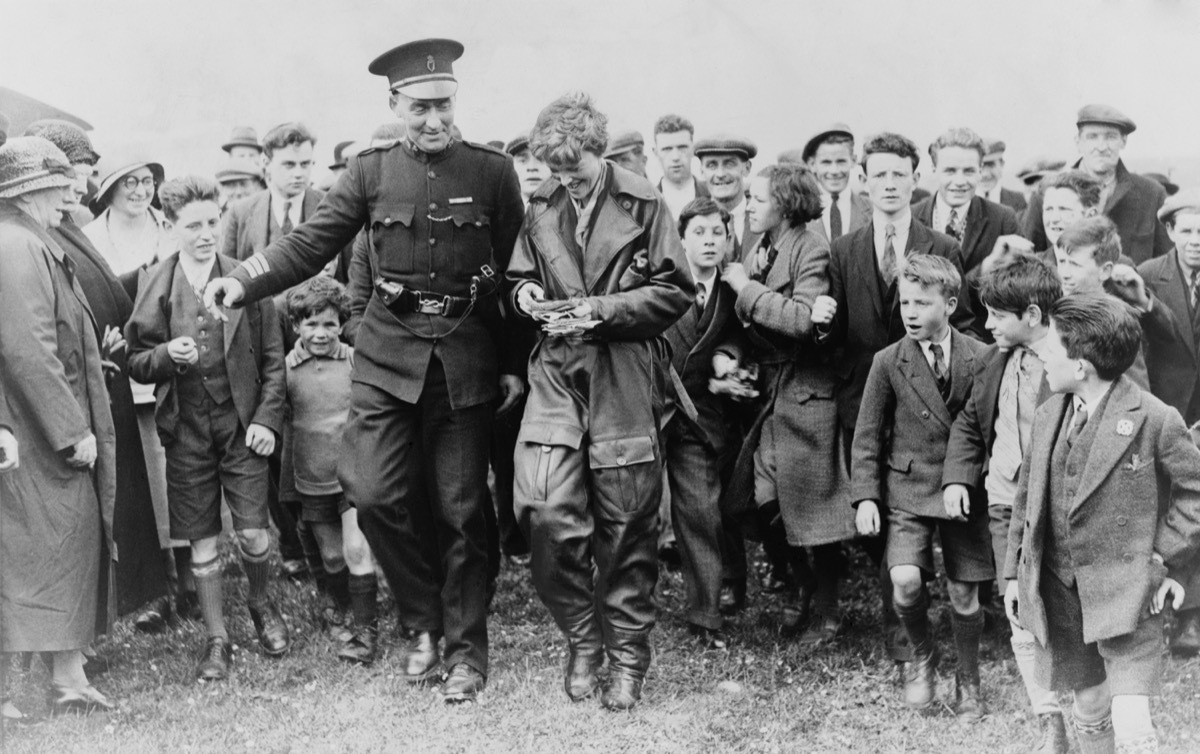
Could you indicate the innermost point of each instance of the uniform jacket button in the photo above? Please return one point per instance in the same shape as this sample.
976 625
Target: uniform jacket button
432 174
387 221
1121 520
433 205
627 204
545 448
433 241
621 460
433 275
924 414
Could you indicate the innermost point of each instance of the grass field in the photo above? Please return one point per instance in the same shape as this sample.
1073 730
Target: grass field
765 694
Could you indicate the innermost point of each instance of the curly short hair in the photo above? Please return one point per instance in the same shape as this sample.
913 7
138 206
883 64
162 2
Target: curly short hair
891 143
286 135
1098 328
1080 183
177 193
669 124
964 138
933 271
1022 282
566 128
794 191
314 296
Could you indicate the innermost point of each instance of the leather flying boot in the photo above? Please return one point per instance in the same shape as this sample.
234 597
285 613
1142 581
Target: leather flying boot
585 655
420 657
1053 739
628 661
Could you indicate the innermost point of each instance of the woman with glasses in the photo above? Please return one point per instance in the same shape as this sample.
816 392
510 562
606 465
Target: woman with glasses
131 233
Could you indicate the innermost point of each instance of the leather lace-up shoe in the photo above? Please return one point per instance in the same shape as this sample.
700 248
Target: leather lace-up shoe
420 657
580 681
920 680
1053 738
359 649
154 616
463 684
822 628
272 631
968 703
214 661
733 596
623 692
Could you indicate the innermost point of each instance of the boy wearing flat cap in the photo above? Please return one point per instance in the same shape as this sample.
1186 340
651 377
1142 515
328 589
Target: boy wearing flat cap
433 359
1129 200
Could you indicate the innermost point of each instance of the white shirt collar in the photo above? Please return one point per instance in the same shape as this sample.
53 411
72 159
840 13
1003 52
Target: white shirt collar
294 207
926 347
942 211
1078 400
902 225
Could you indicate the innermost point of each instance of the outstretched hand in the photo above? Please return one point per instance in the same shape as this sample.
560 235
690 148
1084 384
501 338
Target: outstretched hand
222 293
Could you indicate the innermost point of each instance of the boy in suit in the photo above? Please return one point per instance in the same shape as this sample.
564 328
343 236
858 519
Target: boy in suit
220 394
914 391
1107 512
990 434
696 447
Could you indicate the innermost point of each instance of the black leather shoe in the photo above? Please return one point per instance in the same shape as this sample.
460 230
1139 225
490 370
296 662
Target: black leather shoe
1054 734
272 631
968 703
920 680
796 613
214 661
1186 638
775 581
463 684
359 649
420 658
623 692
296 570
822 628
84 701
154 616
733 597
711 638
580 681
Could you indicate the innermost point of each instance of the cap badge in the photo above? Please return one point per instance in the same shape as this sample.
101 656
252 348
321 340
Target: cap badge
430 64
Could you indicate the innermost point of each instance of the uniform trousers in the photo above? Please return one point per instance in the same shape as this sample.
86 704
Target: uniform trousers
417 474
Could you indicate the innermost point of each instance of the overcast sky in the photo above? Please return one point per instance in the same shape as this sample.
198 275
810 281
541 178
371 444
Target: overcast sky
170 79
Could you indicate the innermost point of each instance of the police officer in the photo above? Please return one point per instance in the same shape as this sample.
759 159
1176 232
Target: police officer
432 357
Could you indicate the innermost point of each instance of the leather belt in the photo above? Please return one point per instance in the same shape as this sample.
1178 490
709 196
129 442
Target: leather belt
401 299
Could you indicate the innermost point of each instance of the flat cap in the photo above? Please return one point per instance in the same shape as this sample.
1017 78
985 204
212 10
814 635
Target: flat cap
1105 115
237 173
726 144
242 136
623 142
422 69
837 129
1037 169
1188 199
519 144
994 146
339 161
1171 187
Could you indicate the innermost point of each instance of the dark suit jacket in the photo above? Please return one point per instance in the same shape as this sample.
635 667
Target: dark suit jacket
904 425
1133 208
969 449
1139 493
694 338
1014 200
865 324
253 352
1170 343
860 215
246 224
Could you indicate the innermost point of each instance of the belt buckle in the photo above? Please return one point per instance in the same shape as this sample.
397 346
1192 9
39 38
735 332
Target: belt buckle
433 305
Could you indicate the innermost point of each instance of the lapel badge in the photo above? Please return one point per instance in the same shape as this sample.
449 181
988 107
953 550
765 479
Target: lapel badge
430 64
1124 428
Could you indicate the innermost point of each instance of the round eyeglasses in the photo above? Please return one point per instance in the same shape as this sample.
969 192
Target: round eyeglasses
131 182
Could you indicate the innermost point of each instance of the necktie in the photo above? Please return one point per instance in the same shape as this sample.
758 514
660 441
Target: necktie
701 296
939 369
835 217
287 220
887 265
1081 417
1194 288
952 228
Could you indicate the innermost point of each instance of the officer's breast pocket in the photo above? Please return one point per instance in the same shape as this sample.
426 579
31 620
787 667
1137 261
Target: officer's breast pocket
392 236
472 238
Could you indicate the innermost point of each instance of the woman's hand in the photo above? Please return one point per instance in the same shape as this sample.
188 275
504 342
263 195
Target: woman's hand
735 276
83 454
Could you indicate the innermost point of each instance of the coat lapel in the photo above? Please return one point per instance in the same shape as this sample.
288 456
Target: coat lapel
1172 289
555 242
977 222
1045 431
225 265
921 380
1113 437
614 228
260 222
993 362
862 258
312 200
1120 189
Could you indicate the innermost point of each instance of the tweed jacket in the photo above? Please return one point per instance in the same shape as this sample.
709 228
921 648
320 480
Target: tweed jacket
1139 493
904 425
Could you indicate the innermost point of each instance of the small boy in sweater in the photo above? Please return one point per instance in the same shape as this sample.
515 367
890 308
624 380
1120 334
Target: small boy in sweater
318 387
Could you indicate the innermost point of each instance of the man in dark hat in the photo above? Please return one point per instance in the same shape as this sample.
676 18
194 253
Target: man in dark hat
433 361
243 146
1129 200
341 152
628 149
992 173
673 136
725 167
237 182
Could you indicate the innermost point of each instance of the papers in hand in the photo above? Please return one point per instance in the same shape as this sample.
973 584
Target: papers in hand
557 318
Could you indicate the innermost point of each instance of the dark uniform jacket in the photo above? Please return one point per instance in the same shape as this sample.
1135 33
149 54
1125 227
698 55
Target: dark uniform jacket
434 221
866 322
1138 493
253 351
1133 208
1170 344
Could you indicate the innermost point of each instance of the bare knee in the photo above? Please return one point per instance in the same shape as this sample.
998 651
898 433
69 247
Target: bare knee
907 584
964 596
253 541
1093 703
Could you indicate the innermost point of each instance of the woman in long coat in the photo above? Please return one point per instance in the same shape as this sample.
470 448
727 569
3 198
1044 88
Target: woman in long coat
794 452
56 548
141 571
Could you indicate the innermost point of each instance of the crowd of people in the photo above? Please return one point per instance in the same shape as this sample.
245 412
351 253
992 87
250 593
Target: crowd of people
810 356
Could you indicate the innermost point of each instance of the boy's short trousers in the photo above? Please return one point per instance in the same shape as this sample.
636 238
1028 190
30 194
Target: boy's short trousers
966 545
209 456
323 509
1132 664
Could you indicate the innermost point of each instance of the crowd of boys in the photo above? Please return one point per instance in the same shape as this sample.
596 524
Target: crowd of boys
1015 378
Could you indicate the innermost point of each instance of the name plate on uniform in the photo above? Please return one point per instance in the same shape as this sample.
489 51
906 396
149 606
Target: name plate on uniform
462 200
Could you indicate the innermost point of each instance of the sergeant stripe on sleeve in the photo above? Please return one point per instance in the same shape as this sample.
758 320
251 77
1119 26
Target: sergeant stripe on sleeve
257 265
